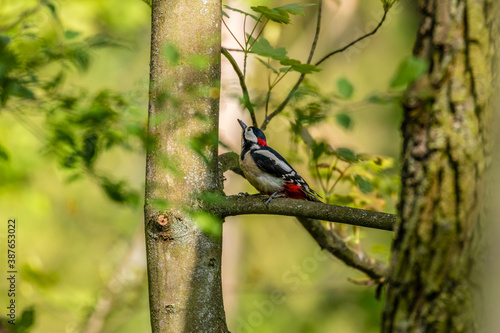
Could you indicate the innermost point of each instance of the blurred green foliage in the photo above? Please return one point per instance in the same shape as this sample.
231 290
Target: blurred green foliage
73 102
67 114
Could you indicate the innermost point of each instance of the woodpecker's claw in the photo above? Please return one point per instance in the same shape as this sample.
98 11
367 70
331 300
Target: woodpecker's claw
274 195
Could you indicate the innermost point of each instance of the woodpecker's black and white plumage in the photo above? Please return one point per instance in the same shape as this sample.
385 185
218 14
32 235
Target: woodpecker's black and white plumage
267 170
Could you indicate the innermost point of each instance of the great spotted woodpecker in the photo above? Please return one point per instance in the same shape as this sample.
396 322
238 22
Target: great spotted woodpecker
268 171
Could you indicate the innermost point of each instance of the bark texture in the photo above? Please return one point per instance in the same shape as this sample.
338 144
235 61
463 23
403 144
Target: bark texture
184 264
446 146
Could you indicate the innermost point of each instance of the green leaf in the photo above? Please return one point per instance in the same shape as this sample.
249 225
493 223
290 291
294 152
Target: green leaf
364 184
50 5
297 66
24 324
267 65
273 14
70 34
344 120
263 48
379 248
318 150
171 54
89 148
4 155
409 70
159 204
208 223
295 8
241 12
346 154
345 88
224 14
281 14
198 61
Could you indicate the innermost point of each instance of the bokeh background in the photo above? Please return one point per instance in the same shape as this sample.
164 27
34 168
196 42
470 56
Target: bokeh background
80 255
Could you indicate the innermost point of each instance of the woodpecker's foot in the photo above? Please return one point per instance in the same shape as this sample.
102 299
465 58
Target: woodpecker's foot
246 194
273 196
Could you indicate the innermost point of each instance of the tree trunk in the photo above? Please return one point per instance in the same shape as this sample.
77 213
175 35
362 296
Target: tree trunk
445 151
184 263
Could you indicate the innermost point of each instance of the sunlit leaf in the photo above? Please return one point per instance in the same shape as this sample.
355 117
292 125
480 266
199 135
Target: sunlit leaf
379 248
409 70
171 54
318 150
281 14
344 120
346 154
345 88
263 48
297 66
70 34
267 65
273 14
4 155
295 8
364 184
198 61
159 204
89 148
208 223
26 321
241 12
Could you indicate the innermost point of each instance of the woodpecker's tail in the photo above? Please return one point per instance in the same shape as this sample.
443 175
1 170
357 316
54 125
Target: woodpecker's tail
296 192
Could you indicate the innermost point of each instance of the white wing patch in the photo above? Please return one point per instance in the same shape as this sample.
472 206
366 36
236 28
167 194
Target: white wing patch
280 163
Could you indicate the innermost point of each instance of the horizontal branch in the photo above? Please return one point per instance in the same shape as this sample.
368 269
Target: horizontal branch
334 244
243 205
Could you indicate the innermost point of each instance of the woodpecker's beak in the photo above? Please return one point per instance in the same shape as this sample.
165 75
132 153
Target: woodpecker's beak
242 124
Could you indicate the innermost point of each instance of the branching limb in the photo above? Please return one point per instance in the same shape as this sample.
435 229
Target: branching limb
302 76
308 213
282 106
335 245
246 96
355 41
243 205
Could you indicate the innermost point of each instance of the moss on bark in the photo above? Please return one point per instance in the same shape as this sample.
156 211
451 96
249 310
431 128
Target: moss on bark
445 153
184 263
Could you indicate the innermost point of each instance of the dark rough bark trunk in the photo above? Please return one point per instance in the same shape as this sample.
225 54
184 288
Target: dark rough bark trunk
184 263
446 146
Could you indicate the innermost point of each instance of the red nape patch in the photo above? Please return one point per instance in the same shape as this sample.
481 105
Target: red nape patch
293 191
261 142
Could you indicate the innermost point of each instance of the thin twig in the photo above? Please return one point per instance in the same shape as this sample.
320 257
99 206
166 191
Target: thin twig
236 39
236 50
246 96
282 106
299 81
260 33
341 174
355 41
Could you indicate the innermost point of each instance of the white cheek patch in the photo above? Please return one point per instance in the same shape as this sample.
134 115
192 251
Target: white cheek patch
250 136
276 161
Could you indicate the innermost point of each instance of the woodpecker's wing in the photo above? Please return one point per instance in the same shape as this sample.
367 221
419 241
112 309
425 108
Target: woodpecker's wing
270 161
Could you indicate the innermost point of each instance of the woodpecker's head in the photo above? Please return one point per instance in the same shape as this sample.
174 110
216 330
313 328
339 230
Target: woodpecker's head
252 135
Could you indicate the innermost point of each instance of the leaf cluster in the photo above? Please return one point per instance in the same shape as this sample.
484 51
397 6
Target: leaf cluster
74 125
